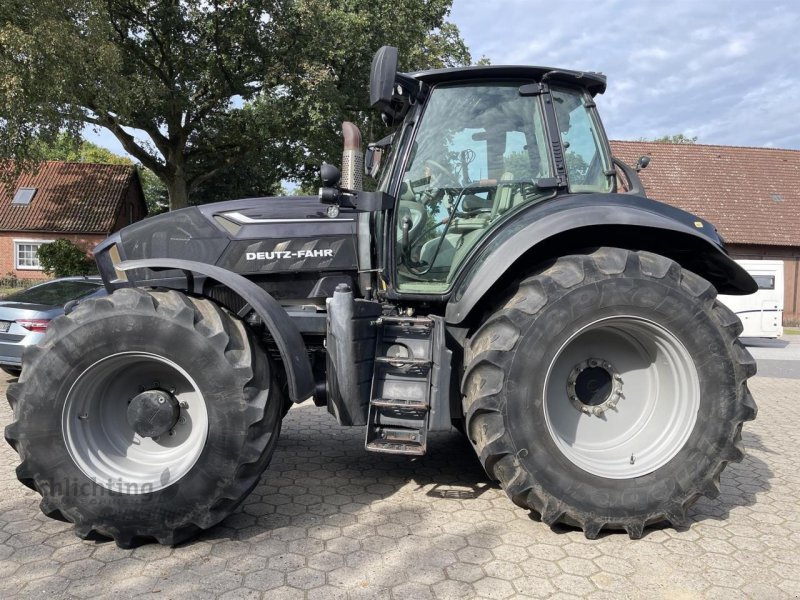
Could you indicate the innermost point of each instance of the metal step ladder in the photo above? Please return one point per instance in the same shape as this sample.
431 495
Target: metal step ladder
399 404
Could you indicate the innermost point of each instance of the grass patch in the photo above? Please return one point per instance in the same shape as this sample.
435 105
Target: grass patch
5 291
791 331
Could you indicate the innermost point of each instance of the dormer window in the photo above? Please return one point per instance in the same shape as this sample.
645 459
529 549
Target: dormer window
24 196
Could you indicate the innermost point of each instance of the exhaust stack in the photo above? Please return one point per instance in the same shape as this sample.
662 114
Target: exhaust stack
352 158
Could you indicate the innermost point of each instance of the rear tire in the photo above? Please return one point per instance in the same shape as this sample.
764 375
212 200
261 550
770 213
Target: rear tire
78 449
598 357
13 371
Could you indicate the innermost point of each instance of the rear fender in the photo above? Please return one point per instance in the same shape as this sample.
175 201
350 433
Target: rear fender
573 224
280 326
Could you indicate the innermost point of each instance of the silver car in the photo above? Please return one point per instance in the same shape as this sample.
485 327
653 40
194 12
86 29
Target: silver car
25 315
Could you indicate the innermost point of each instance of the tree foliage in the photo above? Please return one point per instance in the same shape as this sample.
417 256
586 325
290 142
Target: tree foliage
62 258
66 148
193 88
677 138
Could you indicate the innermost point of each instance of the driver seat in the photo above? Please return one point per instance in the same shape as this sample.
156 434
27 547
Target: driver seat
448 249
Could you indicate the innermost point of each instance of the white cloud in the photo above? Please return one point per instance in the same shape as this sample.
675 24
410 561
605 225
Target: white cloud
724 70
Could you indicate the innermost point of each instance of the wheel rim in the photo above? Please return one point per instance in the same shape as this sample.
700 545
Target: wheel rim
621 397
102 442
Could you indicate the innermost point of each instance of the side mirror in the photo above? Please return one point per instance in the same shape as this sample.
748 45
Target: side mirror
381 77
330 175
372 160
642 163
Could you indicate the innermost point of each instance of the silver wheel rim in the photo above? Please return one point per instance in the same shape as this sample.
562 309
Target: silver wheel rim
635 417
103 444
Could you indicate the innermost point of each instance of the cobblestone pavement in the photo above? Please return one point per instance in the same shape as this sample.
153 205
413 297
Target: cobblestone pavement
776 357
331 521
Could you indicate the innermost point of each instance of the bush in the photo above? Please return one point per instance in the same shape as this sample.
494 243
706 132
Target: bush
62 258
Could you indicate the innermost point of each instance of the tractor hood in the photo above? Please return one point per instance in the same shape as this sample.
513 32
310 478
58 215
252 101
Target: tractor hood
251 236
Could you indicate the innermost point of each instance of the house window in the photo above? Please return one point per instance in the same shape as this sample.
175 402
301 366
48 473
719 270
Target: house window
23 196
25 256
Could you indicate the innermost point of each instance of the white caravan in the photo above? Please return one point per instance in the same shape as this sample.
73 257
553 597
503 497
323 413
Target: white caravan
761 313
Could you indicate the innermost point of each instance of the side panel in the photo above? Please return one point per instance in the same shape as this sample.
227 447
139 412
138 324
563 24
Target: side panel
571 223
259 236
278 255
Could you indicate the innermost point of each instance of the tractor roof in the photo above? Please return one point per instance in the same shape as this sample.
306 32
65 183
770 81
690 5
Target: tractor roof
595 83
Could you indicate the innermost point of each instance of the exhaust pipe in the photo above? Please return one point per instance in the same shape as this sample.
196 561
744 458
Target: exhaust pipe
353 179
352 158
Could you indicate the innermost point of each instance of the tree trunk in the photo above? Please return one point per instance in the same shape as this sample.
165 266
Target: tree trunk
178 192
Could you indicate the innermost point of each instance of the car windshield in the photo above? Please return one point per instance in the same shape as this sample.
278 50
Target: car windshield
55 293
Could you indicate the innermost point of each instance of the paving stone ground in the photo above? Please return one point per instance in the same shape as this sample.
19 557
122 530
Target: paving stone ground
332 521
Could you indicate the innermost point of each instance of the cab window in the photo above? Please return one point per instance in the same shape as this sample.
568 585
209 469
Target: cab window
478 153
584 150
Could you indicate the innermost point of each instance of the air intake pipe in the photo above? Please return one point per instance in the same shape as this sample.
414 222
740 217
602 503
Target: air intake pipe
352 158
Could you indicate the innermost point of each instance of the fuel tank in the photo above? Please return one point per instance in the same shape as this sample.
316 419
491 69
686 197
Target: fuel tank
256 237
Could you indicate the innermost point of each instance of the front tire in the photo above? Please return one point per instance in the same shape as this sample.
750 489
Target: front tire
609 391
170 474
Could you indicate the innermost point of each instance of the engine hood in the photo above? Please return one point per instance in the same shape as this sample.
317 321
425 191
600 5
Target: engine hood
250 236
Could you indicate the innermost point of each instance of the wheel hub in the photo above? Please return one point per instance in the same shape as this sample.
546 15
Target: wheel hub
153 413
594 386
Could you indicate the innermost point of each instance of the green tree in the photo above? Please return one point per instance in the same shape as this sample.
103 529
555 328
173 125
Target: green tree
62 258
66 148
155 192
677 138
577 168
206 84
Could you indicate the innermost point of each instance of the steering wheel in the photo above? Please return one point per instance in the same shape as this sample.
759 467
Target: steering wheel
442 177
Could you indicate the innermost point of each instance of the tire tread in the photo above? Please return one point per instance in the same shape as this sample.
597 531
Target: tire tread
482 403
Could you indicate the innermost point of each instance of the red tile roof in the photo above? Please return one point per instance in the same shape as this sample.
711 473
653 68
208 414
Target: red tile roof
752 195
70 197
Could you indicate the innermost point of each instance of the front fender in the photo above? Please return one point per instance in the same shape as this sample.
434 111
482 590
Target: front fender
574 223
283 330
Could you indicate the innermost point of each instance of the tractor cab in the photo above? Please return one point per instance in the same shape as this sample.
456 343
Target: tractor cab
474 147
481 151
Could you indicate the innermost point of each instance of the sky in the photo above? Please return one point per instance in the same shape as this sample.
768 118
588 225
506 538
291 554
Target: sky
725 71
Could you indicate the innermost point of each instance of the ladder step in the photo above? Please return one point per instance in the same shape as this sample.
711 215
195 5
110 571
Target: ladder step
424 321
400 360
401 404
395 448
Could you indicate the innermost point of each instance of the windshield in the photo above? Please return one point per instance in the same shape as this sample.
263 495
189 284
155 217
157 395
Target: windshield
55 293
478 155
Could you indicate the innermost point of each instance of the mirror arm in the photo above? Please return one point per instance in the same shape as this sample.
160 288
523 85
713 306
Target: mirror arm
358 200
636 186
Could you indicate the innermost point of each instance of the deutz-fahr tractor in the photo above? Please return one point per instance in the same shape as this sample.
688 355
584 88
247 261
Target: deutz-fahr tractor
508 277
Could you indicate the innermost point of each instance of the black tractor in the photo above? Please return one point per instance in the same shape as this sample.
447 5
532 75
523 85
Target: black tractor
508 278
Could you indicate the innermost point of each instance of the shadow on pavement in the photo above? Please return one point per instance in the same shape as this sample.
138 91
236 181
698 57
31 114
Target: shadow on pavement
765 342
324 470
